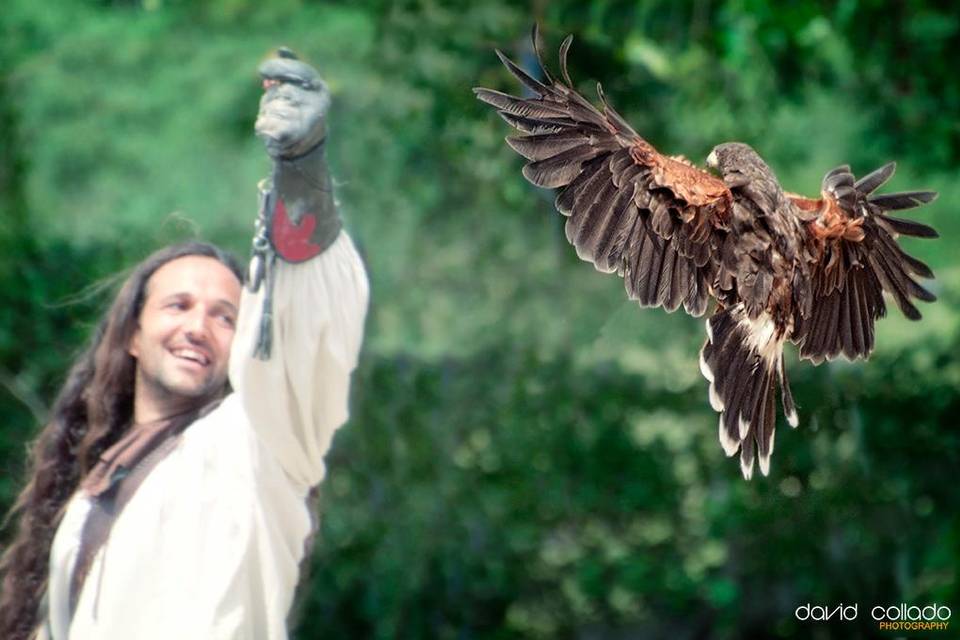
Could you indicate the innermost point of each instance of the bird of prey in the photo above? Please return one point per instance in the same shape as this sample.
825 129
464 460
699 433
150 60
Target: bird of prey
779 265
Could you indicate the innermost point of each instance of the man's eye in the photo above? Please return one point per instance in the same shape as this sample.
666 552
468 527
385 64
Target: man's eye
178 305
229 321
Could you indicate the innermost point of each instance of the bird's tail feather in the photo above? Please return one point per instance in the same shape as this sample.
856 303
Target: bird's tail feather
743 361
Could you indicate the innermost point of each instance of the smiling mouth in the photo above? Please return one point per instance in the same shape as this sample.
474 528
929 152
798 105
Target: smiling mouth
191 355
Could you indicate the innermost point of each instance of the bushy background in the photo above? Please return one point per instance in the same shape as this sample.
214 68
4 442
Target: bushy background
529 456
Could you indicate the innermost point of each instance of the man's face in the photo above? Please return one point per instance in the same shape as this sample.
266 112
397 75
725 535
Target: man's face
182 342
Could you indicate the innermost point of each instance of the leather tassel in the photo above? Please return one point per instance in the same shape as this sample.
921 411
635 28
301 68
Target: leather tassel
264 344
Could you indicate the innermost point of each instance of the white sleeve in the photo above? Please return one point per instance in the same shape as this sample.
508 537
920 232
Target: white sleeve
297 399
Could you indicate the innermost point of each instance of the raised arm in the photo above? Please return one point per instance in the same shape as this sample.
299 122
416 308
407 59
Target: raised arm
301 317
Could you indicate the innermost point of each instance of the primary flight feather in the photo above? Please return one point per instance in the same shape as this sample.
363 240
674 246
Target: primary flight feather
780 266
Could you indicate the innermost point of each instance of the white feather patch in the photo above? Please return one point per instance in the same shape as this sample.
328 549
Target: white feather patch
747 469
709 331
742 426
765 459
729 445
792 419
705 368
764 465
761 337
715 401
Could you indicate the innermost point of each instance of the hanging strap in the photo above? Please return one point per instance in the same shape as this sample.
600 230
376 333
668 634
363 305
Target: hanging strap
108 496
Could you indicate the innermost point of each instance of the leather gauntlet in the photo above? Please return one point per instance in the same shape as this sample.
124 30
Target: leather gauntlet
300 214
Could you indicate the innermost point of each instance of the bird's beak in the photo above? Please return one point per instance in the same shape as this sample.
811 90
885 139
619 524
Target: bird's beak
712 160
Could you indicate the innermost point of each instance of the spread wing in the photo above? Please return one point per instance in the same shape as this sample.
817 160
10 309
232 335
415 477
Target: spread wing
854 241
653 219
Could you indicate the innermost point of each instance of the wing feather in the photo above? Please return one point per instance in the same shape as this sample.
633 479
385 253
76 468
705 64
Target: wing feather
648 217
534 125
857 339
519 106
906 200
526 79
873 180
907 227
656 272
857 259
543 146
585 197
595 220
561 169
605 247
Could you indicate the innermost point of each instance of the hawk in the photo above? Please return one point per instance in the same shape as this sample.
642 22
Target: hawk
781 267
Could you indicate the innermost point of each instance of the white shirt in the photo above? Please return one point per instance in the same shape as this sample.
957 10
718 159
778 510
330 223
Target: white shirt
209 545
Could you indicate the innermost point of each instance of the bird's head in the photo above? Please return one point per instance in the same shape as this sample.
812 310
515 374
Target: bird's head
739 165
745 173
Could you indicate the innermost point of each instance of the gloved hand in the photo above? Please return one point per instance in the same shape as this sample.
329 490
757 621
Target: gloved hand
293 108
299 213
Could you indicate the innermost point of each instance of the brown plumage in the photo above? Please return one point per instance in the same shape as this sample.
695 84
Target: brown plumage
780 266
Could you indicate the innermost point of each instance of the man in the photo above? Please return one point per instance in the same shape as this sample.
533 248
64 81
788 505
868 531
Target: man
160 506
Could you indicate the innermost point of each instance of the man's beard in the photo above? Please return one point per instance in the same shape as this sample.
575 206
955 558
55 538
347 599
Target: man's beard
184 399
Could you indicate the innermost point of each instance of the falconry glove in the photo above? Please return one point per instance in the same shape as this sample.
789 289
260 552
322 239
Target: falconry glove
298 216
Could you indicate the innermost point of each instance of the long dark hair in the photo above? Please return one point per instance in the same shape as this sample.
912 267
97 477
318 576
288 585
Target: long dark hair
91 413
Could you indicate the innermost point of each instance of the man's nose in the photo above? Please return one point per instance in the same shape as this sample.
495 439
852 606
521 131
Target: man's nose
195 324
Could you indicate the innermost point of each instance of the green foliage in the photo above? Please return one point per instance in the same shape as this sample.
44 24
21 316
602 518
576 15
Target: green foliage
529 455
507 495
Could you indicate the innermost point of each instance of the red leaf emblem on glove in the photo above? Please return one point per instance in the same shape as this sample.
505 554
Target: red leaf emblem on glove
292 241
